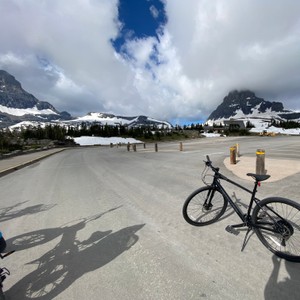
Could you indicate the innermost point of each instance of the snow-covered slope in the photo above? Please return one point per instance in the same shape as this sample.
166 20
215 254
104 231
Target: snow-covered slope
26 111
98 118
111 119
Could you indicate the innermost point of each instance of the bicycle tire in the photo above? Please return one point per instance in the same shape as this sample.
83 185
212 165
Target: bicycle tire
284 243
198 212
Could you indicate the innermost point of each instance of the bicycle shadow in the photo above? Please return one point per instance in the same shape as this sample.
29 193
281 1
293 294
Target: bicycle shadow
42 236
289 288
229 210
70 259
9 213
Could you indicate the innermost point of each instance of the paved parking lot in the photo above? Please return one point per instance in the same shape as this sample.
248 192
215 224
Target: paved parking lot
105 223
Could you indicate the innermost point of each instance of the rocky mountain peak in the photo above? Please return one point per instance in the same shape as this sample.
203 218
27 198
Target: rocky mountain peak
12 94
8 82
245 103
17 105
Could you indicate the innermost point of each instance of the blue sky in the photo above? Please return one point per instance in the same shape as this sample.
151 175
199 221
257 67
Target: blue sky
140 19
168 59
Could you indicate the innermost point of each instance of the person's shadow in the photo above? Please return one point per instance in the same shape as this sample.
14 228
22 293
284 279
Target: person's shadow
70 259
289 288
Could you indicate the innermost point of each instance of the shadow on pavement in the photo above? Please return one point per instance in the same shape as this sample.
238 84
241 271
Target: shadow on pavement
42 236
289 288
70 258
10 212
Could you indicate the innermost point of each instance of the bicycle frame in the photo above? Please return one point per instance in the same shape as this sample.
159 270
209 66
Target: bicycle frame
244 217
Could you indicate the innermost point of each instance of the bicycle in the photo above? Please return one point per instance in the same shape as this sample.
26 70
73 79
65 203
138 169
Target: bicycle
275 220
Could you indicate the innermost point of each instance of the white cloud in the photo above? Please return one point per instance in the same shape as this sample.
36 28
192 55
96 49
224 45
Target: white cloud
10 58
140 50
61 52
154 12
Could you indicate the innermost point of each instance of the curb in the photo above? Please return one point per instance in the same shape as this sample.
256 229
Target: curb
27 163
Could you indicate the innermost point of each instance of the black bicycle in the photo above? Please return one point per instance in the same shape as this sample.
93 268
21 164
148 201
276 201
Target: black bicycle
275 220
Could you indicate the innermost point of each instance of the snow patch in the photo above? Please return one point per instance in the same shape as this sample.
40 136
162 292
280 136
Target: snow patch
96 117
24 111
211 135
95 140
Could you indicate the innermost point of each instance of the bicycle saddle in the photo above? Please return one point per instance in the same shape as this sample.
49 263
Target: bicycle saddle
258 177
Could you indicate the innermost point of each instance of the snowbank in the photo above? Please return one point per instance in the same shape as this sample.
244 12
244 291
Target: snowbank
211 134
276 130
94 140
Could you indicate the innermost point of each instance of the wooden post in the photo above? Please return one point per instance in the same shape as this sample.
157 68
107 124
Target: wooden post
111 145
260 162
134 147
144 145
156 148
180 146
233 155
128 146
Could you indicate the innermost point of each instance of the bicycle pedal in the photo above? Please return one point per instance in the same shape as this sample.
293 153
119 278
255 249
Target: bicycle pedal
232 230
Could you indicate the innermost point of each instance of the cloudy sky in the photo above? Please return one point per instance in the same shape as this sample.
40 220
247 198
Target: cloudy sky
169 59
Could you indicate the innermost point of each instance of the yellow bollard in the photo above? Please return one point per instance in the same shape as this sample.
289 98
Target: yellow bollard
233 155
260 162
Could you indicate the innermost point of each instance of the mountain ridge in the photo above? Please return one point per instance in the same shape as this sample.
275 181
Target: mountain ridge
18 108
245 104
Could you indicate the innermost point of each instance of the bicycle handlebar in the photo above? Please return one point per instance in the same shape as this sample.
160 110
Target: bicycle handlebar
208 159
208 163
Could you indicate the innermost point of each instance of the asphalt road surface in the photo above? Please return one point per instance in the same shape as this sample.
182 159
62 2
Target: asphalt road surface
105 223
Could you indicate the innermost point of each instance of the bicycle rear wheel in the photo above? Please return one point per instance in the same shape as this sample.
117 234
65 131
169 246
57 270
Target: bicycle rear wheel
204 206
279 226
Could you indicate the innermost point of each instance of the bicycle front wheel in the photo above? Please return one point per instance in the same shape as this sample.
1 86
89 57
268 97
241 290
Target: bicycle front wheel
204 206
277 225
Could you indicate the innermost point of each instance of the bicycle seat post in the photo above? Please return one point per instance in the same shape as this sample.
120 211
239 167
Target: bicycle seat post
256 183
